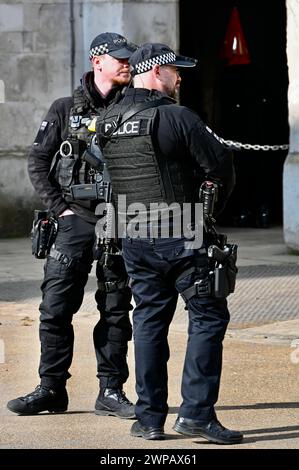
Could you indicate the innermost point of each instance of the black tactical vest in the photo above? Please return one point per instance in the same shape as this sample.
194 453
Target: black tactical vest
79 160
134 166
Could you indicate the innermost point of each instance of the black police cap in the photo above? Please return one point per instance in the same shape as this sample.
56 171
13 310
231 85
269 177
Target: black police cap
113 44
149 54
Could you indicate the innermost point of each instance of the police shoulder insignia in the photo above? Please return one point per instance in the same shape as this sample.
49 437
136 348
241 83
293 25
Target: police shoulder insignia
43 125
40 135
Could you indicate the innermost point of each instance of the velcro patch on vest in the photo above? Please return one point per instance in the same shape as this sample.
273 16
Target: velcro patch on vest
75 121
128 128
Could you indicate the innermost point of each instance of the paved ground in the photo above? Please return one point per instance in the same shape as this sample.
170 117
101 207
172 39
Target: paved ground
259 391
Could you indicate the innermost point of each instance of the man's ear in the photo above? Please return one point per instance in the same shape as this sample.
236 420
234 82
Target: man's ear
97 62
156 70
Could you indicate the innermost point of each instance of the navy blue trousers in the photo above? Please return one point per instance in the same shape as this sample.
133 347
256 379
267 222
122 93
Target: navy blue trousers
155 267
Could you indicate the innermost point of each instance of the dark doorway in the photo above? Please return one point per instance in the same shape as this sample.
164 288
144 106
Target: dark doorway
244 103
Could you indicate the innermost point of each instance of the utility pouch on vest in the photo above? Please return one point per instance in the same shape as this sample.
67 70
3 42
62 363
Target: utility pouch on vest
93 191
65 166
43 233
66 171
93 160
225 271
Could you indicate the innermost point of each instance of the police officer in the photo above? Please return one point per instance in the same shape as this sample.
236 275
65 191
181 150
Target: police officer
66 184
162 157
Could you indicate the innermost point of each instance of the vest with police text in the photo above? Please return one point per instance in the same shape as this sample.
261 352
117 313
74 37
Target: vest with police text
135 167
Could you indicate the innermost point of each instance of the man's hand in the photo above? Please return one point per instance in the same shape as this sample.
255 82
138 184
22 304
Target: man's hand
66 212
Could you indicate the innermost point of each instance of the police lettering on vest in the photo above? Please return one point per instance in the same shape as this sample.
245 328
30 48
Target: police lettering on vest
127 128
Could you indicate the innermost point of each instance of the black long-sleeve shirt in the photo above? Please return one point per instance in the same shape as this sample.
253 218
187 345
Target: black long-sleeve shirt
53 131
192 152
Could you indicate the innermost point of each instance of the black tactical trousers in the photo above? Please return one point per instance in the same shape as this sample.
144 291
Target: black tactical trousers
63 290
160 269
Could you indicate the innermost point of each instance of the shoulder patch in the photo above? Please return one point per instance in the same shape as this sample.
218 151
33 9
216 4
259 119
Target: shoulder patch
40 135
44 125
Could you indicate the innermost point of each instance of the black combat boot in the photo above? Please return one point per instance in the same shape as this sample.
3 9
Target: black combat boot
153 433
42 399
113 402
213 431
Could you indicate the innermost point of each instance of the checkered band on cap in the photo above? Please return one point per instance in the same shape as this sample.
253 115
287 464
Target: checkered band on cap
98 50
149 63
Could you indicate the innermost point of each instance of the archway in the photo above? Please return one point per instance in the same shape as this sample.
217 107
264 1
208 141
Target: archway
246 103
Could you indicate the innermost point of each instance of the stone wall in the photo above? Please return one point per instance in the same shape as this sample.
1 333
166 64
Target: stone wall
34 68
